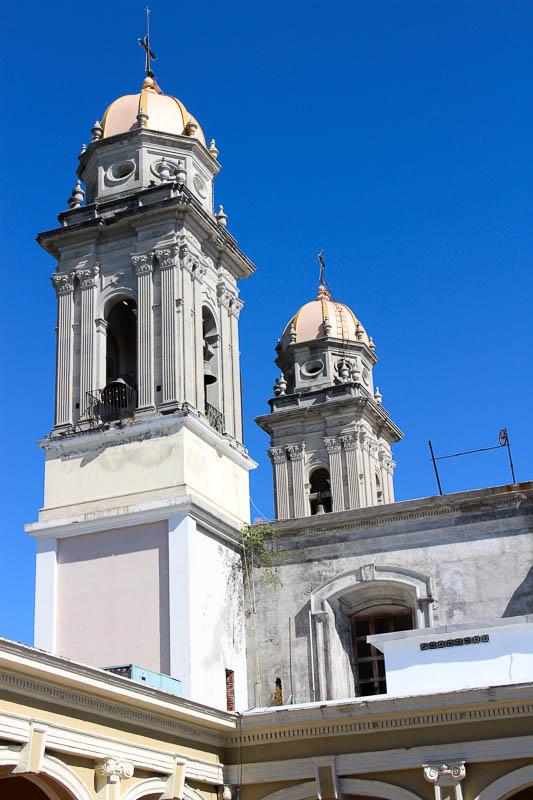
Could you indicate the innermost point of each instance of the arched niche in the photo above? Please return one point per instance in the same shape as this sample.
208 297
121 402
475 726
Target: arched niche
320 498
335 603
121 340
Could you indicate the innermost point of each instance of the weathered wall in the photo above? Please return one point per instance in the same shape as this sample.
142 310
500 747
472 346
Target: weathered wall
460 558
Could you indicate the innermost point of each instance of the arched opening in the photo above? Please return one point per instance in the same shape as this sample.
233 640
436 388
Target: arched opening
522 794
211 370
369 662
121 342
36 787
379 490
320 491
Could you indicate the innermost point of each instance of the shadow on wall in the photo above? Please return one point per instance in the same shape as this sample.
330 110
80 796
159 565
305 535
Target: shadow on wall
521 601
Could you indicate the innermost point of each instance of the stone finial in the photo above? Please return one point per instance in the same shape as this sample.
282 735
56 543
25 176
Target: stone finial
142 119
96 131
371 344
378 397
292 333
164 170
359 332
344 370
278 346
191 127
83 149
221 216
282 383
327 326
181 175
76 198
446 777
213 149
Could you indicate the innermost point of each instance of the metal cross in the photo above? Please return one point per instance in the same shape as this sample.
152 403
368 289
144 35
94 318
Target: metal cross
322 263
145 44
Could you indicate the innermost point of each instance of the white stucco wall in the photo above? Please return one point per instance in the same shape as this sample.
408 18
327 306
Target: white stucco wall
112 597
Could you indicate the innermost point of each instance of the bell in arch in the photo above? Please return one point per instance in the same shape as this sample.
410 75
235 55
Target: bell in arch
209 375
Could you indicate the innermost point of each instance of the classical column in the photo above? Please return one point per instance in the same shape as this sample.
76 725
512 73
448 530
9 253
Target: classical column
281 481
108 775
170 338
88 280
446 779
197 280
333 447
224 297
235 310
300 504
349 442
188 354
374 469
63 283
144 268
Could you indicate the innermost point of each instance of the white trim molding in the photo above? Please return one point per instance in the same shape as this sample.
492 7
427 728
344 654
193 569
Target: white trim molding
50 767
352 786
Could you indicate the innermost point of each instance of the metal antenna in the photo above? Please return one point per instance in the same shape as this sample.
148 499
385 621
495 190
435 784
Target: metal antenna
145 44
322 262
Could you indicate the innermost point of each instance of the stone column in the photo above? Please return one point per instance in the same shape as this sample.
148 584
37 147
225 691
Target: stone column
88 279
100 326
197 280
333 447
349 442
446 779
144 268
374 469
108 776
281 481
63 283
300 504
224 297
390 479
235 310
170 338
188 354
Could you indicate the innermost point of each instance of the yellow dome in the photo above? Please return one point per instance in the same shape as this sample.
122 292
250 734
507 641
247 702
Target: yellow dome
159 112
324 317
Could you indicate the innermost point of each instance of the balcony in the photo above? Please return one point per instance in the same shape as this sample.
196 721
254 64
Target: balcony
215 418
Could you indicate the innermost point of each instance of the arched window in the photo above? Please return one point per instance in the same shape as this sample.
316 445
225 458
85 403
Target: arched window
320 491
211 370
368 661
121 342
379 490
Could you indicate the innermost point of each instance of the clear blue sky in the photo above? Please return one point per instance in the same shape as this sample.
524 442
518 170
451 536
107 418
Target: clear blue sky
396 135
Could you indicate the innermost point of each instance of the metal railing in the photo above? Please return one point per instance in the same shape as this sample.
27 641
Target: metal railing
214 417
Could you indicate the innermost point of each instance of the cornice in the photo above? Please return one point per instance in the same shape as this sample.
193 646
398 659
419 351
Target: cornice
492 499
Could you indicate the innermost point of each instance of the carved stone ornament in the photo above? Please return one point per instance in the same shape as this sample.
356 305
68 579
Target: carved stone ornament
296 451
235 307
114 770
333 445
368 572
225 296
166 257
348 441
278 455
88 276
63 282
198 271
143 263
446 776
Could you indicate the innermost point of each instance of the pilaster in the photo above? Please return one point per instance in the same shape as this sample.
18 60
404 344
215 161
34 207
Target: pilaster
198 274
64 286
144 267
235 310
297 455
88 282
333 447
46 594
281 481
188 356
365 458
226 357
349 442
170 333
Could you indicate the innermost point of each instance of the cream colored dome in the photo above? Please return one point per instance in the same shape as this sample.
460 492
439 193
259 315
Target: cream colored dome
323 317
159 112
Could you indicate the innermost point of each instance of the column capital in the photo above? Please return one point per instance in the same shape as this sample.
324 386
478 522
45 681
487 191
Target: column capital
349 441
63 282
114 770
88 276
296 451
333 445
143 263
278 455
225 296
446 776
167 256
235 307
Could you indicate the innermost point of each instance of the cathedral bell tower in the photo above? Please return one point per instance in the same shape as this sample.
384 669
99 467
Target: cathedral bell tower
330 435
146 475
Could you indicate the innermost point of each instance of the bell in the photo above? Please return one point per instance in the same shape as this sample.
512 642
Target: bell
209 377
320 509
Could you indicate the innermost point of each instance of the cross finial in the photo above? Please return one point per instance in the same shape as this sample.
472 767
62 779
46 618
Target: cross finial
145 44
322 262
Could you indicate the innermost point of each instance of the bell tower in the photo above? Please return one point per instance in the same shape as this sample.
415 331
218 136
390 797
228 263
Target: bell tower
330 434
146 475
